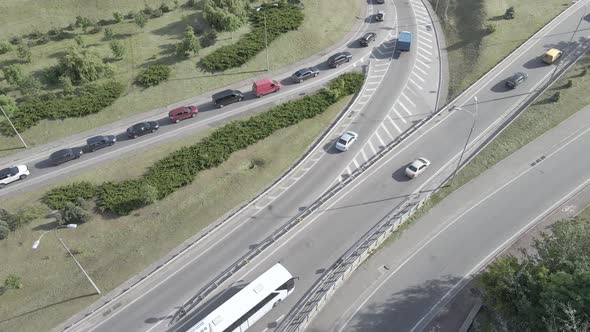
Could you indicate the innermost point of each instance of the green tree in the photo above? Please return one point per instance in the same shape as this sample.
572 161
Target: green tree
84 23
8 104
108 33
83 65
118 17
545 289
13 73
67 85
222 16
140 20
118 48
29 86
5 47
23 52
74 214
189 43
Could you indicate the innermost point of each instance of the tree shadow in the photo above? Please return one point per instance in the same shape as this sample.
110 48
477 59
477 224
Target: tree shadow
47 226
176 28
403 309
496 18
46 306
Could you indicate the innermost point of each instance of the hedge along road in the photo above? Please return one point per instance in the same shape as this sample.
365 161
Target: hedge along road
131 314
209 116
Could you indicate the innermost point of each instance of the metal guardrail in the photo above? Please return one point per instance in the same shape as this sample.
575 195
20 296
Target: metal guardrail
332 279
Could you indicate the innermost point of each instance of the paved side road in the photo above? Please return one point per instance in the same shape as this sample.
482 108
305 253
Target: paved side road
401 287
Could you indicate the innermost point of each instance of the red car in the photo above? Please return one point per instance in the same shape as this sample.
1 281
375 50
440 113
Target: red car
265 86
182 113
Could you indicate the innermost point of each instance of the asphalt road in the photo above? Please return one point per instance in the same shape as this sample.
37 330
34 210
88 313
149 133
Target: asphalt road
402 287
138 310
322 238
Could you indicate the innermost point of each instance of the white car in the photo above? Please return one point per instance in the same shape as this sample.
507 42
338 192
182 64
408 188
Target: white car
13 173
417 167
346 140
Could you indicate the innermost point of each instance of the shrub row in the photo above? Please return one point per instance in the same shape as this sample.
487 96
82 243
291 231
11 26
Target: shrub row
57 197
91 99
279 20
180 167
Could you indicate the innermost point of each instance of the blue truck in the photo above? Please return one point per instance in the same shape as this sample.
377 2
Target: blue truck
404 41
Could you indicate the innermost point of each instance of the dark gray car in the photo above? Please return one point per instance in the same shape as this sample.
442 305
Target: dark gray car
516 79
142 128
304 73
367 38
64 155
339 58
99 142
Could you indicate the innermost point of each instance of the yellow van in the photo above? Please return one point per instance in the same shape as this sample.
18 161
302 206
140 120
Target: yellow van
551 56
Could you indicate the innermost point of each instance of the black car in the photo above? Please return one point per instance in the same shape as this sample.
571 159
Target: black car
305 73
516 79
227 97
339 58
142 128
62 156
367 38
99 142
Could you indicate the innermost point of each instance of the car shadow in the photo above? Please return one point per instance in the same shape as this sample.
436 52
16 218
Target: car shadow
44 164
500 86
534 63
330 147
399 174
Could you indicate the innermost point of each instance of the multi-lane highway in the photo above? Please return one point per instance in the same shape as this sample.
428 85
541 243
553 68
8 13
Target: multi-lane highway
378 118
402 287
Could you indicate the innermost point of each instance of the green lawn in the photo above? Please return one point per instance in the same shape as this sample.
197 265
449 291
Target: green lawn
113 250
326 22
472 52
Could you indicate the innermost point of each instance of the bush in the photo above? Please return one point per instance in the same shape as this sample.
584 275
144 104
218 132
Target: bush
509 14
153 75
490 28
13 282
73 214
44 39
165 8
157 13
279 20
57 198
189 43
209 38
180 167
84 23
569 84
22 217
130 15
5 47
83 65
13 73
67 85
140 20
108 33
4 230
191 3
8 104
556 96
80 41
92 99
29 86
118 48
35 33
96 28
24 52
15 40
118 17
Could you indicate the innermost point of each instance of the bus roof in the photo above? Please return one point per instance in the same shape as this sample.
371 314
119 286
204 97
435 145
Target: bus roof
239 304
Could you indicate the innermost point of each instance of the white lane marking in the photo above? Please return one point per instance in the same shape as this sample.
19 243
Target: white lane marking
384 63
423 43
380 139
371 89
418 76
421 37
372 83
424 56
380 70
391 137
355 163
364 155
418 68
374 76
416 84
412 91
404 107
426 32
420 48
432 238
422 63
399 116
371 146
408 99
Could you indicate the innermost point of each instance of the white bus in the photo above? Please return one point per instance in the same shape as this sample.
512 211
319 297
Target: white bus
251 303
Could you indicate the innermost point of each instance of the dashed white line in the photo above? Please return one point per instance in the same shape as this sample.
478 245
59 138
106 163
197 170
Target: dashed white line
424 50
364 155
422 37
393 123
371 89
347 170
412 91
422 63
355 163
386 131
380 139
378 71
378 76
373 83
416 84
371 146
418 76
423 43
408 99
404 107
384 63
399 116
424 56
423 72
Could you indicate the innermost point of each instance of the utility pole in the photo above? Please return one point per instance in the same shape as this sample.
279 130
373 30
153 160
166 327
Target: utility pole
14 128
466 142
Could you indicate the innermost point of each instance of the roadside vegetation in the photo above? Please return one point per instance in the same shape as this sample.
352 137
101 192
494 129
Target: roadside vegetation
479 33
121 43
114 249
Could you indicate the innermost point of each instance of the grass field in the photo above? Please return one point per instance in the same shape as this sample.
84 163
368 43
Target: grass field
54 289
472 52
326 22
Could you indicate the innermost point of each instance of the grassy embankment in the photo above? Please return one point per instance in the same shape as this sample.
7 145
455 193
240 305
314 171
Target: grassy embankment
326 22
